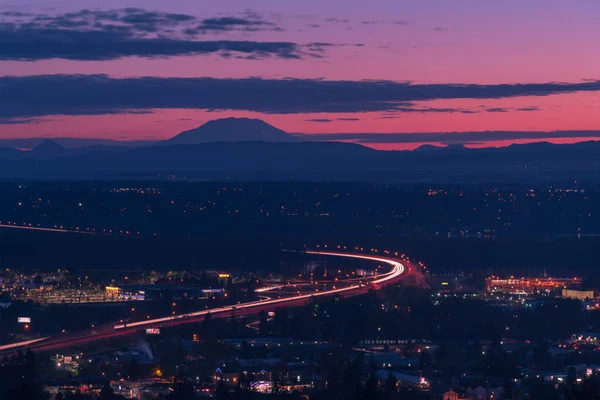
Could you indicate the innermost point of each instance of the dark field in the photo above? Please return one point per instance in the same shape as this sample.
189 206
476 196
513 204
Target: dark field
79 252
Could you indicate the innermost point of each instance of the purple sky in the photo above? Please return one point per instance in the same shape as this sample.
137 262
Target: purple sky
483 44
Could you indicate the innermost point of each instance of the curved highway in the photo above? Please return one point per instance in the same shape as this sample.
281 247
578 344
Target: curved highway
109 331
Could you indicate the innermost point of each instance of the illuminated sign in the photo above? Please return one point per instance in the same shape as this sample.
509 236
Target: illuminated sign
212 291
262 386
152 331
444 283
24 320
224 276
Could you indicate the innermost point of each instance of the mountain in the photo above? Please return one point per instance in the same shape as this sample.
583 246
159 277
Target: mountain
71 143
313 161
48 148
8 153
428 147
232 130
250 149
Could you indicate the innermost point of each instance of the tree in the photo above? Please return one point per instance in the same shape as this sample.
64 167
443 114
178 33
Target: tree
251 292
275 381
425 360
221 392
133 369
106 392
263 325
182 390
30 369
571 376
281 322
391 383
20 356
27 385
371 392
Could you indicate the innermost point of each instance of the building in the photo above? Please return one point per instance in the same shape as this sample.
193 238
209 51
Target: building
397 344
405 380
452 395
577 294
125 293
233 378
523 285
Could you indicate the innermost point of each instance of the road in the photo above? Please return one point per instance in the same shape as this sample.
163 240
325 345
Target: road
398 270
35 228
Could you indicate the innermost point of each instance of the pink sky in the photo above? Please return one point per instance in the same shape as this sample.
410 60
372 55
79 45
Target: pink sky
462 41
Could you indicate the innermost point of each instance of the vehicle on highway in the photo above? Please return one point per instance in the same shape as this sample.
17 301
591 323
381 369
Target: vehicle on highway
297 300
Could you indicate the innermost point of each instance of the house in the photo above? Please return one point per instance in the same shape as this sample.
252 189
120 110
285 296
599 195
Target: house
406 380
452 395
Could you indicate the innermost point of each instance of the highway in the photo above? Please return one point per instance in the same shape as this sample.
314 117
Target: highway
397 271
35 228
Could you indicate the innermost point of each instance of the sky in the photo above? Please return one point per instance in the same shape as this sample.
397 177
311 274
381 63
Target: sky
477 72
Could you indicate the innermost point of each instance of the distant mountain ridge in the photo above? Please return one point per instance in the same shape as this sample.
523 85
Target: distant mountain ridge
247 149
70 143
49 148
232 130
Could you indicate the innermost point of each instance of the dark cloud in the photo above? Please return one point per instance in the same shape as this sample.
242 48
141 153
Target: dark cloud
30 96
448 110
337 20
452 137
173 120
150 17
320 120
348 119
107 35
528 109
228 24
67 23
17 121
504 109
134 19
364 22
110 43
15 14
150 21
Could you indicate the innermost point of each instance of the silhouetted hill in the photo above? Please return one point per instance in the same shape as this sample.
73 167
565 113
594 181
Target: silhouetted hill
48 148
8 150
428 147
315 161
71 143
232 130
